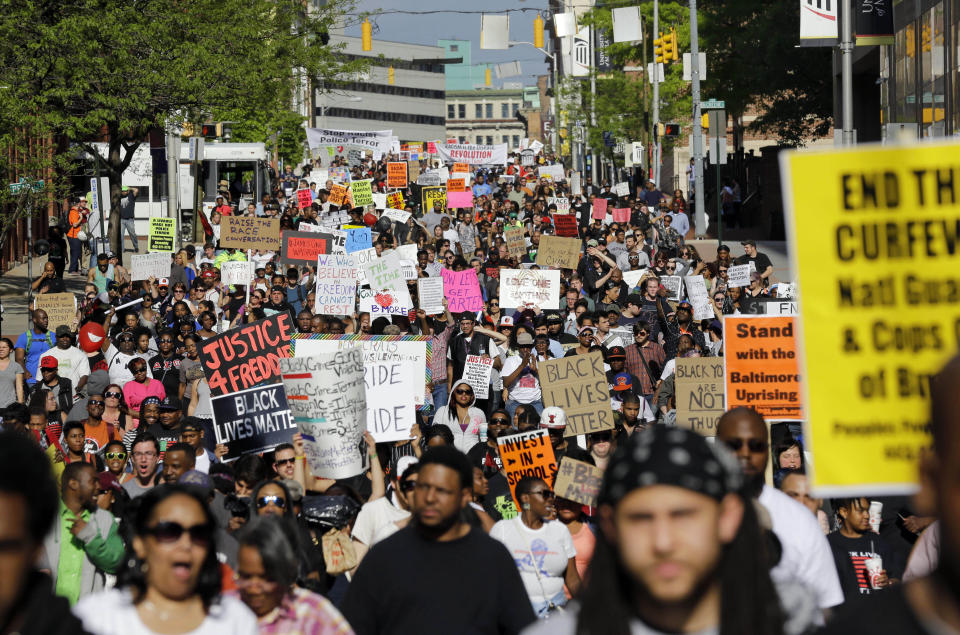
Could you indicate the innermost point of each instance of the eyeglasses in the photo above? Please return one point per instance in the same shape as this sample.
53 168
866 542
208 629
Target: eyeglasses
276 501
166 341
95 402
499 421
168 532
601 437
461 391
545 494
116 456
103 492
148 455
408 485
754 445
284 461
115 395
639 333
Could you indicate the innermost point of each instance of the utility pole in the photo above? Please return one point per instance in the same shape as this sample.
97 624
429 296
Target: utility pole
655 148
594 156
846 78
173 173
700 218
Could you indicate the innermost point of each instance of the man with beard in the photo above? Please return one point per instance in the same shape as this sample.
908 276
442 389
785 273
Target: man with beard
806 558
84 543
455 578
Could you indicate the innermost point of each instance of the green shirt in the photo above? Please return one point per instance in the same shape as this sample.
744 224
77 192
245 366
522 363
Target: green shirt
70 566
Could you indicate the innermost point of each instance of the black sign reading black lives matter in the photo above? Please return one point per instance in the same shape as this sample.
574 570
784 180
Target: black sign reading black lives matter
252 421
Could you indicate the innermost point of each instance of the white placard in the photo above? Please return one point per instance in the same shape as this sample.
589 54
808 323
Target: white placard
385 272
430 292
360 259
699 298
379 199
563 204
632 278
622 189
237 273
143 266
674 287
397 215
336 289
738 276
476 373
384 302
429 179
391 410
520 288
555 172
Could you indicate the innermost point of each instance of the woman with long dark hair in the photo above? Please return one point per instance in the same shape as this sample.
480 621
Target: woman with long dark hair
170 581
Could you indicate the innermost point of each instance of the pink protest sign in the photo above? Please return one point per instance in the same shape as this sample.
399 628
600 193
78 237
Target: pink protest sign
621 215
599 208
462 290
457 200
304 198
432 147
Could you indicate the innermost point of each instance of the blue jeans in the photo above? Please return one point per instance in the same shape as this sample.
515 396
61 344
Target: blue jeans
512 406
76 249
440 396
542 609
128 225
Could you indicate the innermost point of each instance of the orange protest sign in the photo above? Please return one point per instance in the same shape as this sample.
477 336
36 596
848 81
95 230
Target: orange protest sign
527 454
761 367
460 167
337 192
456 185
397 174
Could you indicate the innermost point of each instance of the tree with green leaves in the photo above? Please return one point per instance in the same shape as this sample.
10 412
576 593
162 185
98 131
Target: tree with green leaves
114 70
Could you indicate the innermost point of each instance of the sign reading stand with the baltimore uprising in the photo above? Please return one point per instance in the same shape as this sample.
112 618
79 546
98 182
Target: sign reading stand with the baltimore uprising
875 243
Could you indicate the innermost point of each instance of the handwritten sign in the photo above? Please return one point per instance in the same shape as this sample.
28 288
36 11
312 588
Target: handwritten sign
246 356
563 204
566 225
562 253
622 189
578 481
579 385
378 302
145 266
328 401
252 421
599 208
390 409
516 243
385 272
430 295
362 193
237 272
61 308
462 290
338 194
304 198
162 234
430 196
527 454
621 215
358 239
521 288
397 174
699 297
762 369
459 200
336 285
302 248
395 203
738 276
674 287
476 372
699 393
552 172
250 232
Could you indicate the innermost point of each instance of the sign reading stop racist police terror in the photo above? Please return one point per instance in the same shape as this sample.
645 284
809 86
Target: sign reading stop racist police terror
879 297
246 356
527 454
578 384
761 369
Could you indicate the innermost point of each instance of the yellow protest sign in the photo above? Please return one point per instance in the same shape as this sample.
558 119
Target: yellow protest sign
395 200
873 237
430 195
362 193
162 234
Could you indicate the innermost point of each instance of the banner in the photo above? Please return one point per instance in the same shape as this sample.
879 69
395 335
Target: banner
522 288
145 266
250 232
561 253
377 140
328 401
516 243
879 305
246 356
61 309
699 393
762 305
578 481
818 22
302 248
761 370
476 373
237 272
429 196
336 285
874 22
430 295
527 454
578 384
566 225
162 234
462 290
472 154
252 421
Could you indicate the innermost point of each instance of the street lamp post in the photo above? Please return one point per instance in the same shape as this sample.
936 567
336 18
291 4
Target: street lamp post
554 135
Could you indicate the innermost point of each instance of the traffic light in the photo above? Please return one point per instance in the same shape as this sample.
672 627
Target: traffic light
670 49
705 121
390 76
658 49
671 130
487 79
211 130
366 35
538 32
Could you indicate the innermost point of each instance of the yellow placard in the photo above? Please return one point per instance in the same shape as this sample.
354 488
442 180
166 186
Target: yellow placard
875 242
162 234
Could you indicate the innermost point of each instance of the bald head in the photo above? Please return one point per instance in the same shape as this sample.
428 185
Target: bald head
40 320
742 416
745 432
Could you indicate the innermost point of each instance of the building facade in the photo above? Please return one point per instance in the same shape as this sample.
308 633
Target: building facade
489 116
461 75
410 99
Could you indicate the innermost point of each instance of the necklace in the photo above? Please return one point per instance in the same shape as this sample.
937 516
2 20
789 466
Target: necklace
161 614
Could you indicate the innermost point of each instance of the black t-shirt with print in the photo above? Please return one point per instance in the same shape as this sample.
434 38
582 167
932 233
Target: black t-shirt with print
850 554
884 611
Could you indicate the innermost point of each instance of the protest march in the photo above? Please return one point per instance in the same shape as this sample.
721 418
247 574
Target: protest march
450 391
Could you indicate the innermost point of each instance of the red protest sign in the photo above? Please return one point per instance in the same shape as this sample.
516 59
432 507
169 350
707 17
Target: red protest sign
304 198
246 356
621 215
599 208
432 147
566 225
302 248
397 174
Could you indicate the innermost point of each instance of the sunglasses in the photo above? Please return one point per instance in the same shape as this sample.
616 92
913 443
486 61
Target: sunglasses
499 421
639 333
169 532
545 494
166 341
754 445
461 391
276 501
115 395
284 461
601 437
95 402
119 456
103 492
141 369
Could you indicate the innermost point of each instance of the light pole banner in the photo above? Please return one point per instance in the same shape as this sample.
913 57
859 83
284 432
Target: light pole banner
818 22
377 140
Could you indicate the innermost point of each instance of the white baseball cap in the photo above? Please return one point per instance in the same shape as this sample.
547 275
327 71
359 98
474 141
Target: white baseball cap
553 418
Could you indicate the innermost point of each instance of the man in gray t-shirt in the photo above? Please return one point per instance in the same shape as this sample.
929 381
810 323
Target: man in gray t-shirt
128 198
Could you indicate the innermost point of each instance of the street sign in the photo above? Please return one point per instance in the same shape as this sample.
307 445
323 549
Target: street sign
23 184
712 104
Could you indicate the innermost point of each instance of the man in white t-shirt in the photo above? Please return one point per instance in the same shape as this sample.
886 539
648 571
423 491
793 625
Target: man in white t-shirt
119 360
376 514
520 376
806 557
72 362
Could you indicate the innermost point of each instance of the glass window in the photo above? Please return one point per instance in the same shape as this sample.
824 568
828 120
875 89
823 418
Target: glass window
504 110
462 111
451 111
479 140
516 109
479 111
516 141
489 111
454 47
489 140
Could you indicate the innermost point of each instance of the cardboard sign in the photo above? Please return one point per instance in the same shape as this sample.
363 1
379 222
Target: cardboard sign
397 174
459 200
566 226
621 215
553 172
302 248
61 309
431 195
385 272
699 393
413 170
762 370
521 288
599 209
395 202
674 287
162 234
388 302
252 421
430 295
390 409
145 266
250 232
304 198
699 297
376 348
328 402
561 253
336 285
362 193
578 481
516 243
338 194
462 290
476 373
358 239
237 272
527 454
246 356
738 276
578 384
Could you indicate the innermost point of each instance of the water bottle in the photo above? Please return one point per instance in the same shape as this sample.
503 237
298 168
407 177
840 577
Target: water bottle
483 432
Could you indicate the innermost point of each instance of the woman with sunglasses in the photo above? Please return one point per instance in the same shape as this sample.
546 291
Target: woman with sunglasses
461 417
113 409
256 302
116 459
545 572
170 581
140 388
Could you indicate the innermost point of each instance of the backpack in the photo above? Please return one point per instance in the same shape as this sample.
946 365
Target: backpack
30 342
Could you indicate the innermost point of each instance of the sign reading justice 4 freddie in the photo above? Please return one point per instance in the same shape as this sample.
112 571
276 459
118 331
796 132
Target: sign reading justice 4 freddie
879 299
246 356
